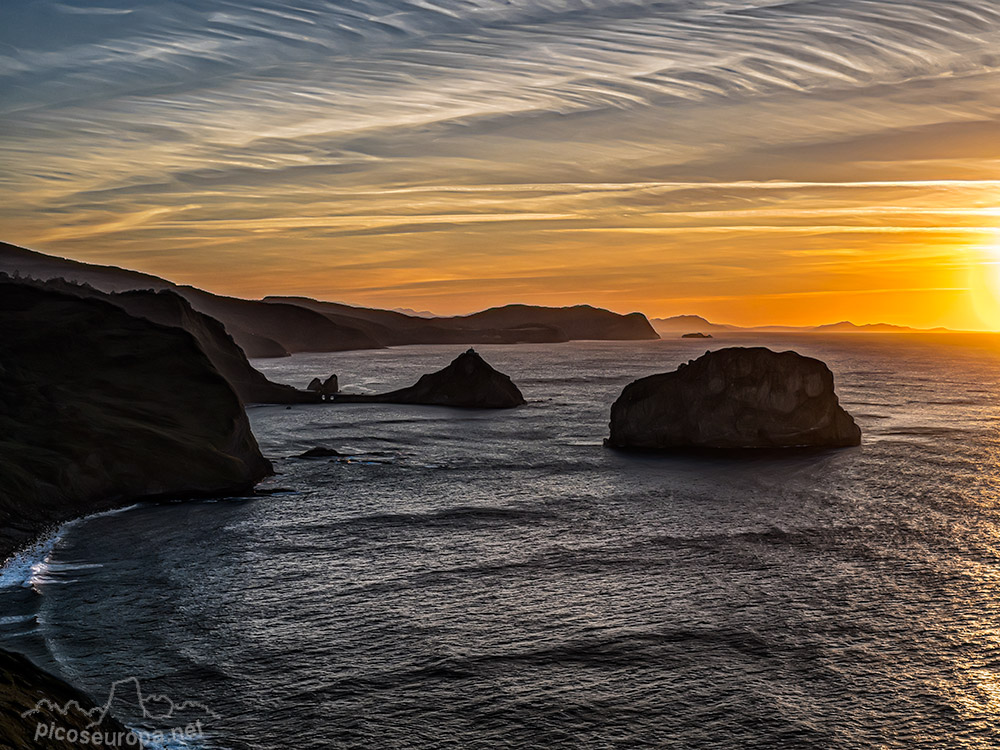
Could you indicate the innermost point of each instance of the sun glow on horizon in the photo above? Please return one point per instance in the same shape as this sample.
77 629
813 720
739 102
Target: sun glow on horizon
456 167
984 283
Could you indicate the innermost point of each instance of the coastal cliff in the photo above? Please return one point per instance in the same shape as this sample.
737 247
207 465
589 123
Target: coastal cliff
99 408
170 309
734 398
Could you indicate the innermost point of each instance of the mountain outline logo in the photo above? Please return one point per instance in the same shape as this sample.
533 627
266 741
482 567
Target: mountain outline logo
157 708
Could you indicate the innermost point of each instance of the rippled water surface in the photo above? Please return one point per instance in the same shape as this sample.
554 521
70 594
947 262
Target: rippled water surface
499 579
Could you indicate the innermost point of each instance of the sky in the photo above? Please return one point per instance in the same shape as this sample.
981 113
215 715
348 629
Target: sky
752 161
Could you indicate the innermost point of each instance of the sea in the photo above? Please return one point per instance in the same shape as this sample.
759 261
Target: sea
500 579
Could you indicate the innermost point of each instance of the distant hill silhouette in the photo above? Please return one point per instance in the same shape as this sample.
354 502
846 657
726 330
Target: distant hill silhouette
277 326
510 324
687 324
698 324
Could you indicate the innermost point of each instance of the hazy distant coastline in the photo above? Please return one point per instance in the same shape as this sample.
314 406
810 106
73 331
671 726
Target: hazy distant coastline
680 324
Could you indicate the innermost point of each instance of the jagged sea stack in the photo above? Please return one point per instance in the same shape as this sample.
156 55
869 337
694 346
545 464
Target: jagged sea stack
326 387
734 398
468 382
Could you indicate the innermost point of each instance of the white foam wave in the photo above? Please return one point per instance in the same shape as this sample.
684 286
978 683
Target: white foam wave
33 565
20 569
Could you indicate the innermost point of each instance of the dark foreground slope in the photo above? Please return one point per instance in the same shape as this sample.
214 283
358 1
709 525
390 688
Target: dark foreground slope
99 408
33 703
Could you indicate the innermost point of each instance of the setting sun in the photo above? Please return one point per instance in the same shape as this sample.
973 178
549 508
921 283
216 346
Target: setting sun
984 282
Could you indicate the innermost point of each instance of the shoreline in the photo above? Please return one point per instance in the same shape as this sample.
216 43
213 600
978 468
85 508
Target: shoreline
24 568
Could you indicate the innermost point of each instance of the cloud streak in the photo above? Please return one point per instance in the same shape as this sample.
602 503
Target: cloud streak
519 134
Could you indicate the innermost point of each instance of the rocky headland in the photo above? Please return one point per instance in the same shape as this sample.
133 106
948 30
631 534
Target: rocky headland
99 408
468 382
170 309
734 398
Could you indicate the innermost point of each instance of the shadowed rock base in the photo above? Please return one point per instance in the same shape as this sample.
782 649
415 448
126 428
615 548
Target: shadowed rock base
734 398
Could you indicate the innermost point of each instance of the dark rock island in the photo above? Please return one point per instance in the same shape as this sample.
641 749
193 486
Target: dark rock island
734 398
468 382
697 336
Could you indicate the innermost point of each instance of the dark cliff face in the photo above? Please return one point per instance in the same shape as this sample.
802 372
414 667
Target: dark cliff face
468 382
99 408
168 308
734 398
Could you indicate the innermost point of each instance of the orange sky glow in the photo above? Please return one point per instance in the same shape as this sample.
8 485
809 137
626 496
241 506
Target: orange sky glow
794 173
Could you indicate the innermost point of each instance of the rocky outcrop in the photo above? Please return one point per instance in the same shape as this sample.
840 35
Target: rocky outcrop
697 336
38 709
734 398
326 387
320 452
468 382
99 408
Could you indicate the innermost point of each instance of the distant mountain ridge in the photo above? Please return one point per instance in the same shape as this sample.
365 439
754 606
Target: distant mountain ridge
680 324
277 326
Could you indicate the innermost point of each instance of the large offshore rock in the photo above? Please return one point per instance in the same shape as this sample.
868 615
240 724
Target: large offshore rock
734 398
469 382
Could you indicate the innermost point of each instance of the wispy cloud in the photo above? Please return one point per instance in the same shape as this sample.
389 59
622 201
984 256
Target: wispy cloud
374 142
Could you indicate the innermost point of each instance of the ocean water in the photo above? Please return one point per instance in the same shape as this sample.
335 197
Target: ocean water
499 579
